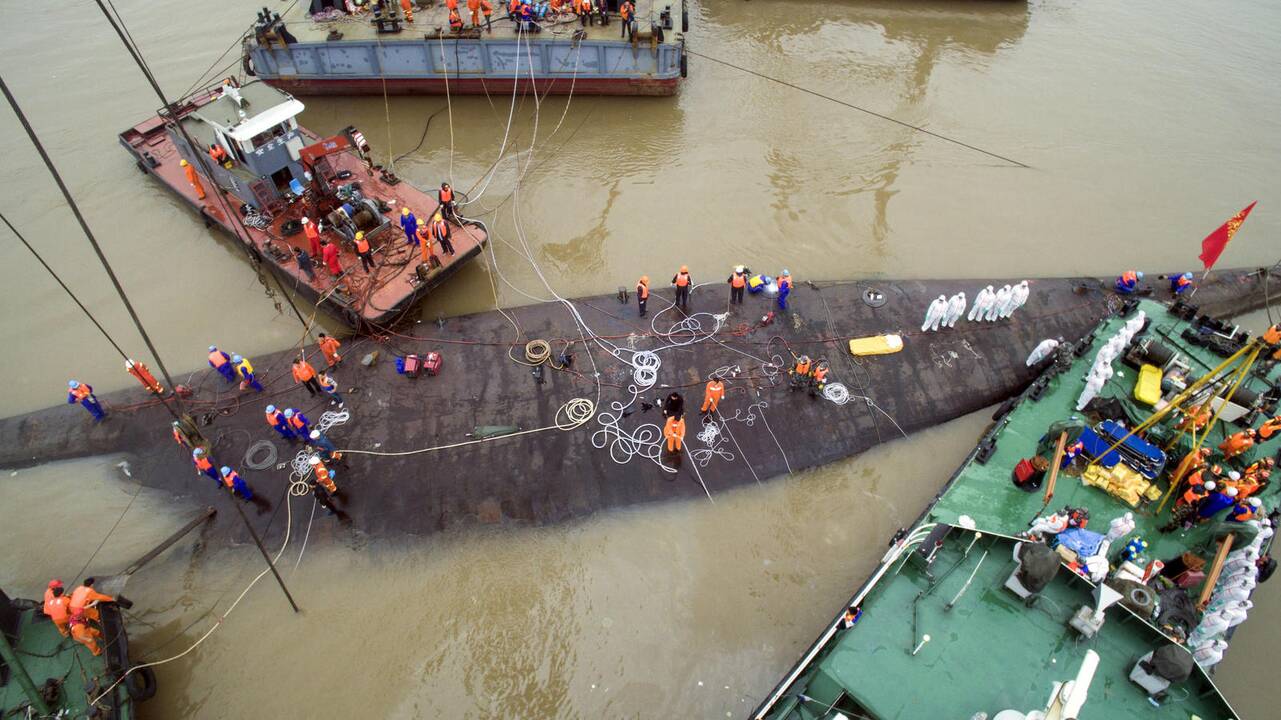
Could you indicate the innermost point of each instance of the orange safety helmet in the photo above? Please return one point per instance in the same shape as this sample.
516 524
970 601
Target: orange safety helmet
645 279
684 268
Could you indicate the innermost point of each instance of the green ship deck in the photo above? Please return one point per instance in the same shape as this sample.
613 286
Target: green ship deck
83 677
989 652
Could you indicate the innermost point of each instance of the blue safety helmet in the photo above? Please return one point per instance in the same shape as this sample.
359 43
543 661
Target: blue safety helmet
786 272
1140 274
1187 276
236 358
226 470
213 348
271 408
289 412
73 383
198 451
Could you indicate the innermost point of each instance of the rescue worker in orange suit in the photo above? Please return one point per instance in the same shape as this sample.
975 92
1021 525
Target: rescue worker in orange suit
329 347
408 8
221 361
363 251
440 233
329 253
473 8
193 179
642 295
1195 419
204 466
1191 463
85 634
219 155
1245 511
79 392
818 379
800 372
713 393
674 431
1187 504
324 476
305 375
682 282
737 285
584 10
57 606
1270 428
487 9
313 236
424 243
142 373
446 200
455 20
1237 443
1272 336
84 600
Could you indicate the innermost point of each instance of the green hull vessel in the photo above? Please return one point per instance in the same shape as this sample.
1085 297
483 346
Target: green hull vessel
945 627
72 682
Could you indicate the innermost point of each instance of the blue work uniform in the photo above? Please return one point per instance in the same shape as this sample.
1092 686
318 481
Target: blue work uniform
246 372
238 486
1212 504
281 425
225 367
88 401
325 445
784 289
409 224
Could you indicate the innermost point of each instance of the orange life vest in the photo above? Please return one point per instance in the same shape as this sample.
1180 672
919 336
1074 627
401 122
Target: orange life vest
451 4
202 462
323 479
81 392
1272 335
57 608
820 374
296 422
218 154
682 279
362 245
1270 428
486 8
310 231
439 230
273 418
738 280
329 346
802 368
585 7
1129 277
642 290
231 478
217 358
625 10
82 596
455 21
446 195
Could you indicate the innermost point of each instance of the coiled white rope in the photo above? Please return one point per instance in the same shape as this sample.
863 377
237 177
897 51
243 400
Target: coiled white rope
837 393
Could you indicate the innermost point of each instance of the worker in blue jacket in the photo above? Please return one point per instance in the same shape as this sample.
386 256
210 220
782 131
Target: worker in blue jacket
409 224
1215 502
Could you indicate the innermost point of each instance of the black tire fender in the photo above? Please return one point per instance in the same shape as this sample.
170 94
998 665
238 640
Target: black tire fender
1005 408
141 684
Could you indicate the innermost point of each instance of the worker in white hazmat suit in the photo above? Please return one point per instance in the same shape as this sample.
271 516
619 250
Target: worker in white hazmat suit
955 309
1120 527
982 302
1092 388
1019 298
998 306
935 313
1042 351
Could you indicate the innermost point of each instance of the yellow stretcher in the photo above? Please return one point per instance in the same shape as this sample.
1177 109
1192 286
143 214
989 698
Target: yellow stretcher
1147 389
876 345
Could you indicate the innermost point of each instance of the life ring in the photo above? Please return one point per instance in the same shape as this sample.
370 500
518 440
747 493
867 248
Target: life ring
141 684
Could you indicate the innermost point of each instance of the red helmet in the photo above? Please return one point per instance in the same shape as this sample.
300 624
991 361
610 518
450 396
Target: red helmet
55 583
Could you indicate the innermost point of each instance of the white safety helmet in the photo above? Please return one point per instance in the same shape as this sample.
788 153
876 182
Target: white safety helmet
1255 502
313 460
1209 485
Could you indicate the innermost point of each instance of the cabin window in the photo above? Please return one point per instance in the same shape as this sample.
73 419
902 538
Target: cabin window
270 134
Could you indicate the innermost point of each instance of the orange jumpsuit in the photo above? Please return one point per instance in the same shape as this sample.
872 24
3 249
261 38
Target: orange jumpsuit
323 478
194 179
674 431
85 634
1196 419
58 610
1270 428
81 598
303 371
713 394
1236 444
408 8
424 242
329 346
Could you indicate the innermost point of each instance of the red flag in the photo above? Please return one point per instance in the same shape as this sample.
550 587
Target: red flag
1213 244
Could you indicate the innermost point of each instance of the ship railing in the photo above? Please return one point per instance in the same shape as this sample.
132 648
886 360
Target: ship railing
896 551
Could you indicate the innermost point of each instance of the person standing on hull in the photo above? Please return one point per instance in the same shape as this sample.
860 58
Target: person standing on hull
446 199
193 179
304 264
682 282
364 252
305 375
784 289
713 393
627 12
440 233
245 370
312 233
329 348
642 295
737 285
221 361
83 394
409 224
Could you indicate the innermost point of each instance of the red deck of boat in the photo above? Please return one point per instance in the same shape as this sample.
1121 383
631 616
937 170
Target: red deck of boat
374 297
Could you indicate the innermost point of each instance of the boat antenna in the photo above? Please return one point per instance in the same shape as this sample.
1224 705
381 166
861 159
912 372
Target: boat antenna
75 210
202 159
